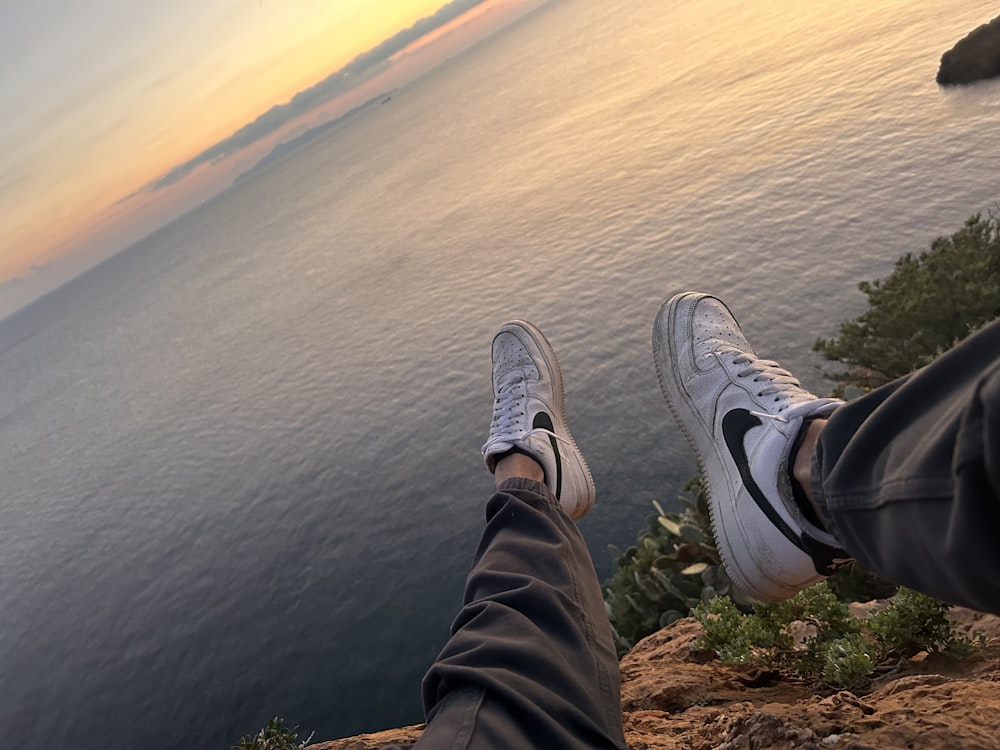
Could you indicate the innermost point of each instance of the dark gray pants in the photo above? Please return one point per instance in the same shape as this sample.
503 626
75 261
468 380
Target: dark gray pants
908 476
531 662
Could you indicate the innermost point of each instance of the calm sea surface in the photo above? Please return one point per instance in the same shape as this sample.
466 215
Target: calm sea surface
239 469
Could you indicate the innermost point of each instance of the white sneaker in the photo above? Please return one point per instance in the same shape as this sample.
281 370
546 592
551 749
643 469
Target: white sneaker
529 415
742 416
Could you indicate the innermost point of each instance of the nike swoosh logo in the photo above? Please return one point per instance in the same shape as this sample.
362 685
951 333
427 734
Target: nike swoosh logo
735 425
543 421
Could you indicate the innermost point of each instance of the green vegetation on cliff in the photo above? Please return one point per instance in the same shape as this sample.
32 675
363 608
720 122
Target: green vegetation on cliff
672 567
925 306
834 646
274 736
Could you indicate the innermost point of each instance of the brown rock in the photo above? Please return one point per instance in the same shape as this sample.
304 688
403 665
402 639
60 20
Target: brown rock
674 698
976 57
402 737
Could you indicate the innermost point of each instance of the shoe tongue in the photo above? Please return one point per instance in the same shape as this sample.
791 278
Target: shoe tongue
810 406
800 406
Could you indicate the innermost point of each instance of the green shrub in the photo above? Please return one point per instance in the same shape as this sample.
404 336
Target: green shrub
672 567
845 650
739 638
848 662
917 622
924 307
275 736
853 583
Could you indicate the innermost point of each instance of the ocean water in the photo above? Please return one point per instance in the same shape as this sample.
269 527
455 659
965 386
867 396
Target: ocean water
240 469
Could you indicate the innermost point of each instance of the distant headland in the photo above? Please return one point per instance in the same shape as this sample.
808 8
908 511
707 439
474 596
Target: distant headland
974 58
286 148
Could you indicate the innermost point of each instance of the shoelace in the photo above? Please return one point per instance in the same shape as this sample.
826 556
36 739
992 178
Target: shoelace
780 383
508 413
508 408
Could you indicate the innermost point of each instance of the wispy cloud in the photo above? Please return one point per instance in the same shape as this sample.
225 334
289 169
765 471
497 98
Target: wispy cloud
330 87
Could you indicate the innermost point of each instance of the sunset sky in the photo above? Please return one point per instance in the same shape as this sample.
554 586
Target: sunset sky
102 99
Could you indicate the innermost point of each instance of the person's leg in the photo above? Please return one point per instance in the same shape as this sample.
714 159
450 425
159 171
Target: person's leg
531 661
908 477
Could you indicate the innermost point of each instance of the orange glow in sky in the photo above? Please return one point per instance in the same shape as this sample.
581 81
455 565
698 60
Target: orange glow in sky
112 96
447 28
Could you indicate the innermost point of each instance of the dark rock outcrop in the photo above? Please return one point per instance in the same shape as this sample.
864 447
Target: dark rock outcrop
974 58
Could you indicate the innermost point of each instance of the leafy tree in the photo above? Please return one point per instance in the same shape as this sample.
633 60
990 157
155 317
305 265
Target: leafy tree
925 306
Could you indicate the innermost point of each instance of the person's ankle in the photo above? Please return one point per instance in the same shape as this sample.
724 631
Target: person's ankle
801 461
517 464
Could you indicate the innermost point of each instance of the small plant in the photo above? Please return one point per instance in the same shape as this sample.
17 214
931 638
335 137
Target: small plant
844 650
740 639
848 662
275 736
917 622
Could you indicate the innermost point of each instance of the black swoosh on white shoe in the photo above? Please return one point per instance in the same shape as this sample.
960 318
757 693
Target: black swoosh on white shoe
543 421
735 425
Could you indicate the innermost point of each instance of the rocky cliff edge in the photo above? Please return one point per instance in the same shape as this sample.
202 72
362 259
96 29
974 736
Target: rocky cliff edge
674 697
